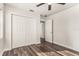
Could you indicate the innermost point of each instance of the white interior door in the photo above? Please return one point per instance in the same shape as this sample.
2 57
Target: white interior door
24 31
48 30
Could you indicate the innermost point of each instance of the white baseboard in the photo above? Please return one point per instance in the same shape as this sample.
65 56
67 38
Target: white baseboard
66 46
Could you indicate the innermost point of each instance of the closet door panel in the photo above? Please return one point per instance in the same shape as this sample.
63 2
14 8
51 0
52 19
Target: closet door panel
24 31
19 27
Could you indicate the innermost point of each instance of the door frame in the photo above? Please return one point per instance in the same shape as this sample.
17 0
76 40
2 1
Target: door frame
12 27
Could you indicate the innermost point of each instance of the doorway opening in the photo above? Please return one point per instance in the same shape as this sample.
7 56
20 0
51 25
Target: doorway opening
42 33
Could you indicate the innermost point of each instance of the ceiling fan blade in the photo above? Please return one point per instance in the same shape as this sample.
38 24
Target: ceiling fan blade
61 3
49 7
40 4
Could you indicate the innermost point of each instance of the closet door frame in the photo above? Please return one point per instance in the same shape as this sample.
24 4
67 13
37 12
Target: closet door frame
12 27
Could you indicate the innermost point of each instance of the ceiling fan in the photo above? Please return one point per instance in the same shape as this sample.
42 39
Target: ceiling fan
49 6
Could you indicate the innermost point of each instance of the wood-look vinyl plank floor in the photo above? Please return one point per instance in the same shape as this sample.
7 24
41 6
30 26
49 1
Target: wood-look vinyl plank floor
47 51
61 50
37 51
44 49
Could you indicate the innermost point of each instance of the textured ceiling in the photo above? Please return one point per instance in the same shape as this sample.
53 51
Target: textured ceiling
43 10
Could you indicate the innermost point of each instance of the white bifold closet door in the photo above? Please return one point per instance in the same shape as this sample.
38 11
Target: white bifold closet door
24 31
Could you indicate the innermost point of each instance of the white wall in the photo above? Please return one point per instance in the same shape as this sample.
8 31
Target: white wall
66 28
1 28
12 10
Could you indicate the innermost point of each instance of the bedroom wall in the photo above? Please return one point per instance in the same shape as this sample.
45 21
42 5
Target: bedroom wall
1 27
66 28
12 10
